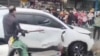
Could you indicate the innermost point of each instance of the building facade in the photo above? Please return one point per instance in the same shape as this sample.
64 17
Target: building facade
78 4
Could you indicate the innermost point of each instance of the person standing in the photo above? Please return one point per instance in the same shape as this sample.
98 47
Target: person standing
76 16
61 16
32 3
90 18
71 18
97 27
11 29
23 3
84 18
66 16
54 12
11 26
80 19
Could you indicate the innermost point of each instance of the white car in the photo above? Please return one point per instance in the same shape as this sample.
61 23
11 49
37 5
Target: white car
73 40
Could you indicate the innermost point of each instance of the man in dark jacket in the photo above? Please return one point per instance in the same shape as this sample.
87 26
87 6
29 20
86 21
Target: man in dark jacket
12 28
10 24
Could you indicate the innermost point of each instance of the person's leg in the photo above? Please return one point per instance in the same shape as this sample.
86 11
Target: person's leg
84 24
87 24
91 22
94 32
31 3
79 22
98 32
22 46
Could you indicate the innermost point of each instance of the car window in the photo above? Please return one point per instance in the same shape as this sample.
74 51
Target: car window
47 21
26 18
38 19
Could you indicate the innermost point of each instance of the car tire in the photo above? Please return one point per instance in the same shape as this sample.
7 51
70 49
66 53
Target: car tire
15 52
77 49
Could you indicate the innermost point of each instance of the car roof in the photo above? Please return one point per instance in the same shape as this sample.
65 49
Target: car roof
27 10
4 11
30 10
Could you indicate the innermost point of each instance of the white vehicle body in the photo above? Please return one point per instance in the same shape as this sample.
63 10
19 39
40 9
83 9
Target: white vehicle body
4 50
50 36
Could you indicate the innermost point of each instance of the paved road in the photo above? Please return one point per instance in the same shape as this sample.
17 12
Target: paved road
96 46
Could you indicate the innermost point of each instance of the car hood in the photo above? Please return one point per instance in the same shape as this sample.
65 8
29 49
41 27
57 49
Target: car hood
80 30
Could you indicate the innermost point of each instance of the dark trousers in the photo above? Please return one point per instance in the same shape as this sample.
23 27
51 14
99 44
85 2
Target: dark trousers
91 22
96 32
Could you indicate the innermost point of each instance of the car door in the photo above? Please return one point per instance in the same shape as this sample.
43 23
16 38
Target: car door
50 36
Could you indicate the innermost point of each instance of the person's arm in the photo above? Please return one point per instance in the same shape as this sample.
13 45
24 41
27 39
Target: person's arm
24 31
18 26
19 30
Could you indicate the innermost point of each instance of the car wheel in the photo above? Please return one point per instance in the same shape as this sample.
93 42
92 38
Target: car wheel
15 52
77 49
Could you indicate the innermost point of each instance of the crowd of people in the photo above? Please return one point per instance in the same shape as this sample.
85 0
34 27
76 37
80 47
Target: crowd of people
74 17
